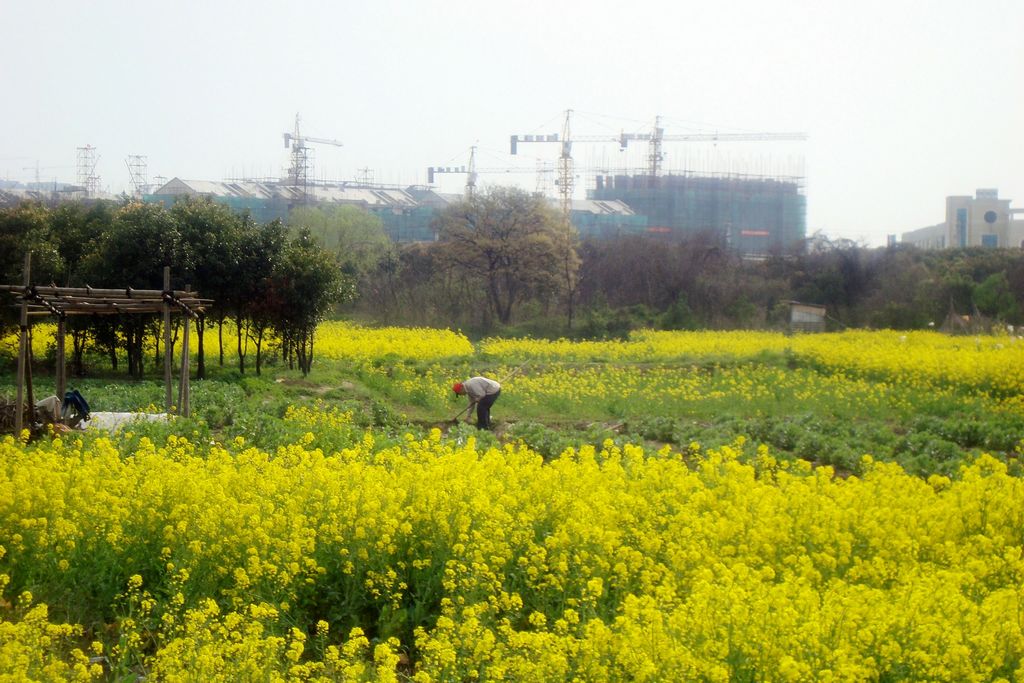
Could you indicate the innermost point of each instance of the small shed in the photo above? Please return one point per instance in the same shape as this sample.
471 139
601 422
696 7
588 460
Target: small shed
806 317
60 302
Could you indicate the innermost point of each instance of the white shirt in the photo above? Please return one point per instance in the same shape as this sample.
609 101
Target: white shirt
478 387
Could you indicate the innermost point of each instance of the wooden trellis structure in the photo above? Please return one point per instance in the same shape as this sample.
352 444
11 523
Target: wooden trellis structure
61 302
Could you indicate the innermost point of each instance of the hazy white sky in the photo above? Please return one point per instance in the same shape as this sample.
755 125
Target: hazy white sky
904 102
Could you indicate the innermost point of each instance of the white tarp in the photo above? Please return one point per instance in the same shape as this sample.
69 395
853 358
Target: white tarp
115 421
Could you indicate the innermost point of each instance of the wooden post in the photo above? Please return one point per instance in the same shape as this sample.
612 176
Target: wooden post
19 408
168 396
184 407
184 402
187 401
30 397
61 378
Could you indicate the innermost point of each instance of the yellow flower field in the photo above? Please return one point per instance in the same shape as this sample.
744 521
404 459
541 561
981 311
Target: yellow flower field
329 551
642 346
922 358
430 560
335 340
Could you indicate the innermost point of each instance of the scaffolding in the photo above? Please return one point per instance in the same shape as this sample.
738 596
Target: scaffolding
87 178
138 172
754 214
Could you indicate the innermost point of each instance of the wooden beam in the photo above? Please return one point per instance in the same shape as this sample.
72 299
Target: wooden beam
42 302
101 311
187 309
155 305
71 300
127 293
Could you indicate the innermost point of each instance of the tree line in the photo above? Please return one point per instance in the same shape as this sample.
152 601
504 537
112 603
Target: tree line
266 278
504 262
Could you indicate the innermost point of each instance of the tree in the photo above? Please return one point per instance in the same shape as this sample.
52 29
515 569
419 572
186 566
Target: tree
903 295
143 238
305 285
211 236
25 228
75 228
567 242
355 237
260 251
506 243
413 285
994 298
694 281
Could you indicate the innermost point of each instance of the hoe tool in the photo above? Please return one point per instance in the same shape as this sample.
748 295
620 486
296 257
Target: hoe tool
502 382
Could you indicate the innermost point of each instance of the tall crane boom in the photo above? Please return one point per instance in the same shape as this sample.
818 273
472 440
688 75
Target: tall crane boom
303 139
37 168
566 180
300 140
657 136
298 172
472 172
655 140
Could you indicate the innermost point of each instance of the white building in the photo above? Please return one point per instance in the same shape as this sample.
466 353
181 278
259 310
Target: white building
983 220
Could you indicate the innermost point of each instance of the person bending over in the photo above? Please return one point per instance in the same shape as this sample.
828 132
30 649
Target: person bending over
482 392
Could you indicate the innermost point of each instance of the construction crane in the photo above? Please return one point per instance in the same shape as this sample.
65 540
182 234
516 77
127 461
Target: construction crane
472 172
655 140
37 168
565 180
657 136
298 173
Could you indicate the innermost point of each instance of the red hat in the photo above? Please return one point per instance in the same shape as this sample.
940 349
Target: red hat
457 387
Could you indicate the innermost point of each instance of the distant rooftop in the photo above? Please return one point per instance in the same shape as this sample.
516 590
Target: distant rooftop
370 196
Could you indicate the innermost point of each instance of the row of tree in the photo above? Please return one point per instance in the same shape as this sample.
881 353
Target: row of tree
263 277
504 261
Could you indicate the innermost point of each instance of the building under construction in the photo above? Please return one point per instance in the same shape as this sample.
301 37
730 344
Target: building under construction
407 214
754 215
755 212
